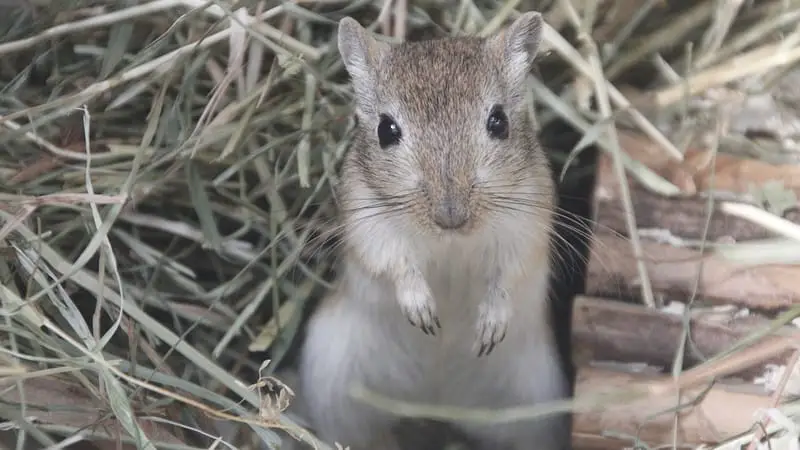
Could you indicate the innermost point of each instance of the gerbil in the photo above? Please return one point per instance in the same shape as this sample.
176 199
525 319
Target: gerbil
447 208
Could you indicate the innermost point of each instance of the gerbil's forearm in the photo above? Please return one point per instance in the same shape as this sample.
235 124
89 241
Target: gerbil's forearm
494 312
390 257
416 300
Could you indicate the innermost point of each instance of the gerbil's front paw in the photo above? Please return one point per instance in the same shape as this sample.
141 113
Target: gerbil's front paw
418 306
494 314
423 317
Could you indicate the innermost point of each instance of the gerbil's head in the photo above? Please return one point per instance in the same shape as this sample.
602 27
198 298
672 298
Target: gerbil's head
445 135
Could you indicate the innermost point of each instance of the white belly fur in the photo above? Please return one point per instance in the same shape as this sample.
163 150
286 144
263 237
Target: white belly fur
359 336
445 368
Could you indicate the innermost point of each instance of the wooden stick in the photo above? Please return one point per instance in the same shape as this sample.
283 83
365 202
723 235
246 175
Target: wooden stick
674 270
683 217
724 411
605 330
676 225
749 357
693 174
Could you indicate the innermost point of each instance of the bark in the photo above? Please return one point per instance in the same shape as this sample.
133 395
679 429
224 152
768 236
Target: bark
675 265
724 411
605 330
700 169
674 271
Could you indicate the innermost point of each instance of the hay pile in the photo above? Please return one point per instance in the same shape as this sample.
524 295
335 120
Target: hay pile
166 169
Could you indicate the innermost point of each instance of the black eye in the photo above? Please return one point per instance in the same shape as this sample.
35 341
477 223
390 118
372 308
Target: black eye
388 131
497 124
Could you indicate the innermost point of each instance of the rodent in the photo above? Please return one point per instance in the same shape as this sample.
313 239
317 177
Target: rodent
446 205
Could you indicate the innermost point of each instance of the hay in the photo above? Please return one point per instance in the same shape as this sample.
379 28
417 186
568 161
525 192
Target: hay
167 167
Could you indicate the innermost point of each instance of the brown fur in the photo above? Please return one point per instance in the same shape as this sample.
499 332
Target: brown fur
487 280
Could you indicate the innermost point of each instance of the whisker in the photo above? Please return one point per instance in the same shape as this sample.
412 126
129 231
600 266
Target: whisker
505 199
393 205
569 222
387 212
575 224
499 197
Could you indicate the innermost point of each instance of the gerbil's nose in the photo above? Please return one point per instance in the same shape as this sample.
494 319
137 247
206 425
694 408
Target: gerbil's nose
450 213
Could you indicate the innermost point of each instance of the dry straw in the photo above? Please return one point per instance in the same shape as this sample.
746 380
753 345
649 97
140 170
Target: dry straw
166 169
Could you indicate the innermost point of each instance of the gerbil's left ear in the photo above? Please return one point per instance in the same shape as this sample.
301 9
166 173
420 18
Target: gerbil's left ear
361 54
520 43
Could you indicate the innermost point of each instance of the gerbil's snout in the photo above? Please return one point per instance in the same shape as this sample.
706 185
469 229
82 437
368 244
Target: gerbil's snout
448 186
451 211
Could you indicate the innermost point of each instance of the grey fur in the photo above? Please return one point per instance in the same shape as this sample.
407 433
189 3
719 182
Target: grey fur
476 288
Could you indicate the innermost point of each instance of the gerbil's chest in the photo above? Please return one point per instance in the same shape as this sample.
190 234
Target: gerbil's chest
459 274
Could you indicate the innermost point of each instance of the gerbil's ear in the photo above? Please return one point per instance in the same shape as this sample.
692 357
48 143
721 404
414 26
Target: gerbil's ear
361 53
520 43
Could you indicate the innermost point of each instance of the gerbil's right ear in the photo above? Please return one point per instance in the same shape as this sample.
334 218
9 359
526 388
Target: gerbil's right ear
361 54
519 45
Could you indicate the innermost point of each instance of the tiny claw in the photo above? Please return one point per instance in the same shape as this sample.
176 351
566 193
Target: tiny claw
418 306
425 329
431 329
502 336
489 336
428 324
493 319
485 349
